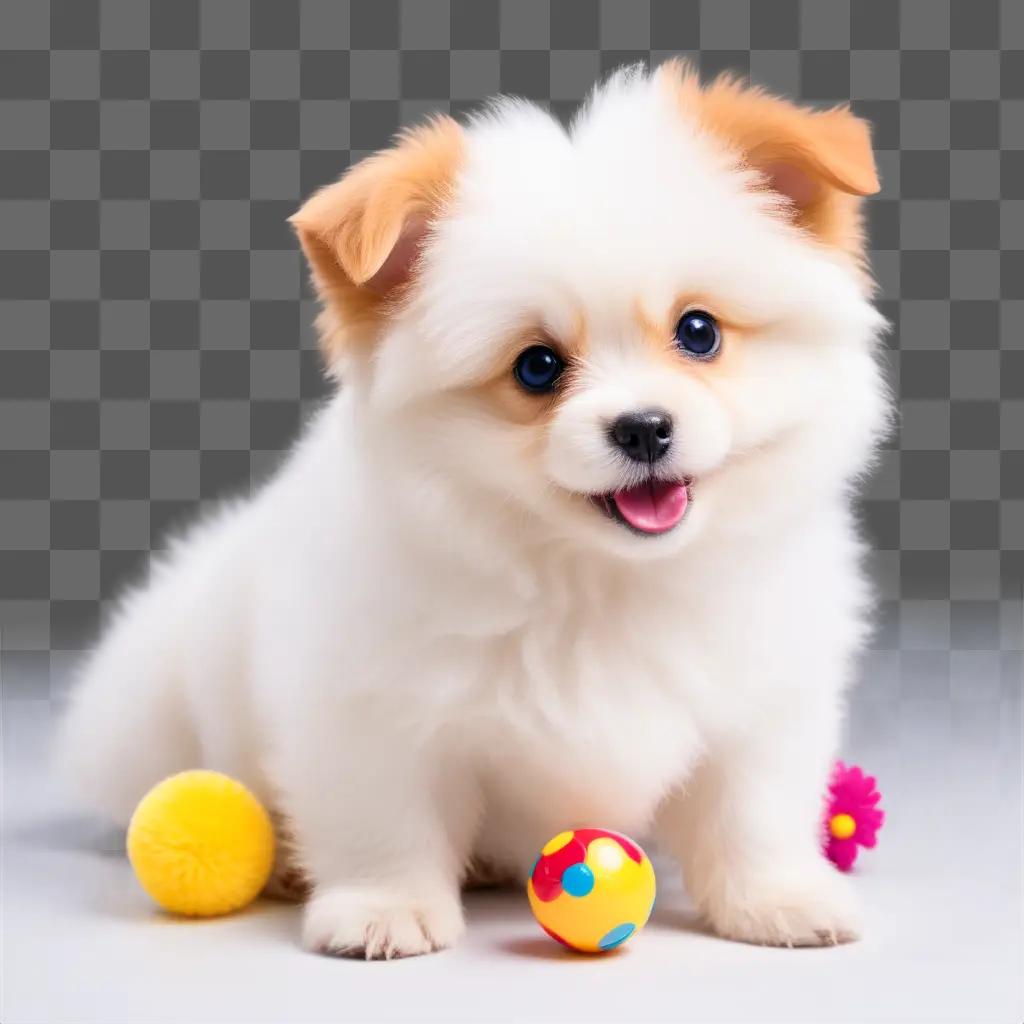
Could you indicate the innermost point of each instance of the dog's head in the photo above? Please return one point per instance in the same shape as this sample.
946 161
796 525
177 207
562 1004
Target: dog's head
622 334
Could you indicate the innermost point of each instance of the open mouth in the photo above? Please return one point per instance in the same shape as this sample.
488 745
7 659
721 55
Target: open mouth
653 507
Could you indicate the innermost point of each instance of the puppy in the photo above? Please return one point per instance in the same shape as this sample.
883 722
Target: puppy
571 545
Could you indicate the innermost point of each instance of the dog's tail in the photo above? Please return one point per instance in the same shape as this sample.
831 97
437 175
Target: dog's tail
127 725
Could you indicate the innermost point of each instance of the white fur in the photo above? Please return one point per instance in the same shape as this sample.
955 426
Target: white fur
421 644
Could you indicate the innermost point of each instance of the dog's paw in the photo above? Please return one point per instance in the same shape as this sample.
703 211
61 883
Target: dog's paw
816 908
376 924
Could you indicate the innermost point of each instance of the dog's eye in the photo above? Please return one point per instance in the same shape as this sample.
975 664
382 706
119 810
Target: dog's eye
698 333
537 368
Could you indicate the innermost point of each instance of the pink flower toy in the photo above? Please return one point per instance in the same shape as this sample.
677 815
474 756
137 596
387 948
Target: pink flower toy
852 817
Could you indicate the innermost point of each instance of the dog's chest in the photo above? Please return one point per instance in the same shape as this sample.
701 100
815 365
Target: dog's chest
587 722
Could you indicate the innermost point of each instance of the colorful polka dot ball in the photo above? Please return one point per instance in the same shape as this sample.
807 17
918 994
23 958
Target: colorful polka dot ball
591 889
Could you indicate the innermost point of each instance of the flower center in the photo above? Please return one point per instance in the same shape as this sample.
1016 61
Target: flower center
842 826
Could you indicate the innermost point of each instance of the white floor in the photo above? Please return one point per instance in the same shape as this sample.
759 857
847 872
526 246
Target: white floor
943 891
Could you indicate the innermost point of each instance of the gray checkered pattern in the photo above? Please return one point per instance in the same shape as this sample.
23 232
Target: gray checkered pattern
156 345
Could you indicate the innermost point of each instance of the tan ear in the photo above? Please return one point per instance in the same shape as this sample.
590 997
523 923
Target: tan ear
819 160
363 234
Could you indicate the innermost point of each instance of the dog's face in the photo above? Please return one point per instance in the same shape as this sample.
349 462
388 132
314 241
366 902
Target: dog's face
622 335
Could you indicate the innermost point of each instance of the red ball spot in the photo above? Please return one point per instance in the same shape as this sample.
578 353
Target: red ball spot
588 835
547 875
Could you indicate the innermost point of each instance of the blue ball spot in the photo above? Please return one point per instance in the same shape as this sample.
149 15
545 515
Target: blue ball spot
534 866
617 936
577 880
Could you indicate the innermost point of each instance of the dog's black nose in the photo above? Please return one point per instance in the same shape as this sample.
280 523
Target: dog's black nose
645 435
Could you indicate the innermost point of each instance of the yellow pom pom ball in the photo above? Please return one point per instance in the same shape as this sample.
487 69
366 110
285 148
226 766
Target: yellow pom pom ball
201 844
591 889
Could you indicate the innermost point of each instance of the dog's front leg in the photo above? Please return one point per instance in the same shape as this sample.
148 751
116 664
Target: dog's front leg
746 829
382 823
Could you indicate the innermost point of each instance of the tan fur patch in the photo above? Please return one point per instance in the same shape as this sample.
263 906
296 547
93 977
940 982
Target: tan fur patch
288 881
822 160
499 396
504 396
482 874
659 336
382 206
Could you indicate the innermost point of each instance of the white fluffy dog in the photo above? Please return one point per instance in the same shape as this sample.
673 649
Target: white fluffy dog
572 544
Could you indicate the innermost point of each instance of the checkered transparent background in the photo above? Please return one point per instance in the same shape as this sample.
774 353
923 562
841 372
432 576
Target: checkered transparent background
156 349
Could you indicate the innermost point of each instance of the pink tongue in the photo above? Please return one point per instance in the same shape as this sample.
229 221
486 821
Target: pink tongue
653 507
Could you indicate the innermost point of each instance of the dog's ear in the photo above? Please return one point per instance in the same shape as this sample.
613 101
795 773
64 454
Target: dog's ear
820 161
363 235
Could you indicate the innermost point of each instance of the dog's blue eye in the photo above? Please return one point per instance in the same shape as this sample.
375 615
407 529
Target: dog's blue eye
537 368
698 333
